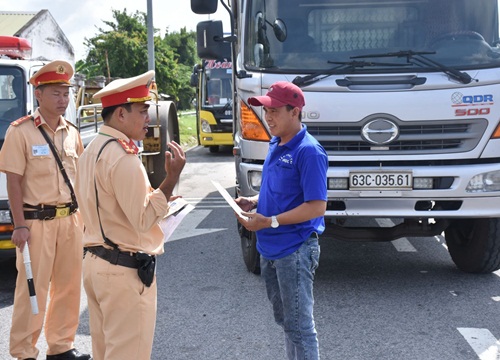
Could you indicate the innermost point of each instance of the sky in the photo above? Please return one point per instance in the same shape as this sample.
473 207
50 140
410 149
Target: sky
80 19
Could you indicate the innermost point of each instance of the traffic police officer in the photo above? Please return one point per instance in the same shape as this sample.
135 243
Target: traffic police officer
121 212
45 215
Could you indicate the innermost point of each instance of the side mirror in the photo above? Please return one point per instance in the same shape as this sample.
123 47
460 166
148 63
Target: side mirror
210 43
193 81
279 29
204 6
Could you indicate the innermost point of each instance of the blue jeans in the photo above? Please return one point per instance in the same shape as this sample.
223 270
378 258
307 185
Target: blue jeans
289 284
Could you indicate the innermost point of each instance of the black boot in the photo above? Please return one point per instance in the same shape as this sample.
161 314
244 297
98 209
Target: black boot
72 354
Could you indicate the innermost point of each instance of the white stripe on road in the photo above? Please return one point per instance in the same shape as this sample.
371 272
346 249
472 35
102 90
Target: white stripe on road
209 202
482 341
403 245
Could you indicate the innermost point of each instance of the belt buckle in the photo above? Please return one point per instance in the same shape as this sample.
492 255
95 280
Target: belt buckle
62 211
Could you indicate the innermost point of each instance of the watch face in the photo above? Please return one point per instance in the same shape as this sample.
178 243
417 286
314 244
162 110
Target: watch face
274 222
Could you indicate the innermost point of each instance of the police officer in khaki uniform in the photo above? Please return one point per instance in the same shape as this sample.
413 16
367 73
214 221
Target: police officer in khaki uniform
121 212
45 215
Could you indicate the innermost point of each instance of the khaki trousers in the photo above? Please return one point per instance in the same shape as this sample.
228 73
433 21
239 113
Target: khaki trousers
56 253
122 311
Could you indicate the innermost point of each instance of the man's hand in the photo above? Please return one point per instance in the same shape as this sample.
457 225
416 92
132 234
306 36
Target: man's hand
20 237
246 203
255 221
175 159
174 163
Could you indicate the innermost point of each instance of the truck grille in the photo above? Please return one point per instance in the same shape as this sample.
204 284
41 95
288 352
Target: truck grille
416 137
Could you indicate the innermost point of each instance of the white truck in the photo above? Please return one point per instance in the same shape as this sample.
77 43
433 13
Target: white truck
404 96
17 99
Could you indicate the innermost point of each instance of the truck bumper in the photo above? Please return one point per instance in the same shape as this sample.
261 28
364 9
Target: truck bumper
452 202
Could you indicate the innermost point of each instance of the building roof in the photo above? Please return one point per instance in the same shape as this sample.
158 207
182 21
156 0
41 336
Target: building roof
11 22
47 39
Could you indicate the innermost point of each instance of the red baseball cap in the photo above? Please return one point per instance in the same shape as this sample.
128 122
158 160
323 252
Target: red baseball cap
280 94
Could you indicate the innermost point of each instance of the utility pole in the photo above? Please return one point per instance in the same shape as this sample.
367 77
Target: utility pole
151 45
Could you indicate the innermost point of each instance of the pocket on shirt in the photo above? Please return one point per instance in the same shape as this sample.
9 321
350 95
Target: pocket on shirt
288 179
70 161
40 165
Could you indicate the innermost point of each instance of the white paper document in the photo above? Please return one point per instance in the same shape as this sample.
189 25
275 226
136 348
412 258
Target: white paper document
229 200
179 208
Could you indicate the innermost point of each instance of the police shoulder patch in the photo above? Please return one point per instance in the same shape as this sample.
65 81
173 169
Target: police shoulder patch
71 124
129 147
21 120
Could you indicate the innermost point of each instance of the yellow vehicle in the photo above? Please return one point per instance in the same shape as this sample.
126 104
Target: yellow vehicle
214 113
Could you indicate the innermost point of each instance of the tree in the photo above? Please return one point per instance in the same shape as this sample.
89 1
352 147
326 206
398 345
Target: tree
183 45
121 51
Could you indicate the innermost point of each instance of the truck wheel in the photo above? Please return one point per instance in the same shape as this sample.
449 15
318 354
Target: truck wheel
474 244
213 149
249 249
169 131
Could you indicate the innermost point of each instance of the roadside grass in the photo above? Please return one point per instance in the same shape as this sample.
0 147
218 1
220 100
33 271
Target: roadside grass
187 129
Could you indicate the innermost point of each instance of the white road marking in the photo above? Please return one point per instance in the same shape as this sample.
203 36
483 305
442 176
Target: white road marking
403 245
482 341
188 227
208 202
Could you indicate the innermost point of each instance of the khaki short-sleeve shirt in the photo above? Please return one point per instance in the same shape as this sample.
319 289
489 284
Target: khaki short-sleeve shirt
129 208
25 152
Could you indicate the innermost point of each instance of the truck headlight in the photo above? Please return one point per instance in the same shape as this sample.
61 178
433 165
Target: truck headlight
205 126
255 179
5 217
485 182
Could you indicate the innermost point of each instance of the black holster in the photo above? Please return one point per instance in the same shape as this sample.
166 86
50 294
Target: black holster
146 269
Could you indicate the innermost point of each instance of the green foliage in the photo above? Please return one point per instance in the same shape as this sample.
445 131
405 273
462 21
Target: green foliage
121 51
187 130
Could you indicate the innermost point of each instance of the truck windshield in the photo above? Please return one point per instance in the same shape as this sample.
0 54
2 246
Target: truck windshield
12 97
309 35
216 84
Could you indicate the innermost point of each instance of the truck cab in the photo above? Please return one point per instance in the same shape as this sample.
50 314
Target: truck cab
404 97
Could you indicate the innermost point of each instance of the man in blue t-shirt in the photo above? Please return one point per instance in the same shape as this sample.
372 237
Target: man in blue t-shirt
289 217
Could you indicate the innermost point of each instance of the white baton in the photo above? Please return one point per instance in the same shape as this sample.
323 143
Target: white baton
29 277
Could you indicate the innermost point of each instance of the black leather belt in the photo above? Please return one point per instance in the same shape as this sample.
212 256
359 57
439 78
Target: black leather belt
49 212
114 257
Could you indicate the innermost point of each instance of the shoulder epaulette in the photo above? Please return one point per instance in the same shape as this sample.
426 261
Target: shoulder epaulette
71 124
21 120
129 147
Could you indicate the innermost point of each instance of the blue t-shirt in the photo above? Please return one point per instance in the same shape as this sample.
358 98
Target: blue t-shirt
292 174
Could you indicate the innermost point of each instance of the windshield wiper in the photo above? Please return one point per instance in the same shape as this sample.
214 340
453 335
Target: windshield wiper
418 57
312 78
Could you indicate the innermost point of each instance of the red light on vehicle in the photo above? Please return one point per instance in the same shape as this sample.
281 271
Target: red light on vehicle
15 47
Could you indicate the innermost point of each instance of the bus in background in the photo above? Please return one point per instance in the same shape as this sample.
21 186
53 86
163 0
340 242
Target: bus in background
214 113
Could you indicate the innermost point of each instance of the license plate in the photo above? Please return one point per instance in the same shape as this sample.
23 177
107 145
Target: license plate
379 180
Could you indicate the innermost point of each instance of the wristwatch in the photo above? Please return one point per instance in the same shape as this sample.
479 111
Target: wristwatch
274 222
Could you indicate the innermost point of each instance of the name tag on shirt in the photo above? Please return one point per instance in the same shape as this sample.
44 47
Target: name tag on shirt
40 150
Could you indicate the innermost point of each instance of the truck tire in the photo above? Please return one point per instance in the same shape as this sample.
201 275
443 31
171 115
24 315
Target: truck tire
251 256
169 131
474 244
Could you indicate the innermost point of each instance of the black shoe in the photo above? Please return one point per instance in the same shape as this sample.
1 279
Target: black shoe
72 354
